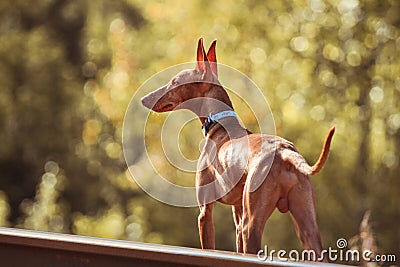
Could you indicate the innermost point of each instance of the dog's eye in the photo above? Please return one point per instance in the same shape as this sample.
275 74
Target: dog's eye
174 82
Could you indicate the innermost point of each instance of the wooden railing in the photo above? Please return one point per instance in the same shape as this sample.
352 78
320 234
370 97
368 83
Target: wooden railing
31 248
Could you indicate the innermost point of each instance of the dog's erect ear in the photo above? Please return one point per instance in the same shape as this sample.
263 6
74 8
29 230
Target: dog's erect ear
212 57
200 52
202 64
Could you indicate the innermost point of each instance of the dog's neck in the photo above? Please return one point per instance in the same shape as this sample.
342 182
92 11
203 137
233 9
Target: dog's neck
216 100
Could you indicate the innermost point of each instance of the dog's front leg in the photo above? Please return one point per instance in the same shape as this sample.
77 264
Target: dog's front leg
206 227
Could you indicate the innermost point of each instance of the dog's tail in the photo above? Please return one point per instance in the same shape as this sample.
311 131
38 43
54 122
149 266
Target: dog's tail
324 154
297 160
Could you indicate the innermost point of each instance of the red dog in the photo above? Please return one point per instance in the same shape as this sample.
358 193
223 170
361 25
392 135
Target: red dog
254 173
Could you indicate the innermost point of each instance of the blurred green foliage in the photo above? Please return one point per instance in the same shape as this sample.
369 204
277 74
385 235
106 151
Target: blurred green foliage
69 68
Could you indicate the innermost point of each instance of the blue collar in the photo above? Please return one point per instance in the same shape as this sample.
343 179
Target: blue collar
213 119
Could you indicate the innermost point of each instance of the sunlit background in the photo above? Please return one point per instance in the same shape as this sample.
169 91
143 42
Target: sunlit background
69 68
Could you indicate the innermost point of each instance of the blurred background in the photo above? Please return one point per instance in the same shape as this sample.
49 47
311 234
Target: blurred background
69 68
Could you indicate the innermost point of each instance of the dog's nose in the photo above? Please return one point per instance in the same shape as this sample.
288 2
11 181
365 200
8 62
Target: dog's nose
145 101
148 101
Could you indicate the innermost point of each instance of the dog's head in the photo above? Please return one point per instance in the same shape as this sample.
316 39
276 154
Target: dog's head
187 84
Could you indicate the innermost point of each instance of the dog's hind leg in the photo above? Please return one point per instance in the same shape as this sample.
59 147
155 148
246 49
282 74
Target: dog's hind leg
302 209
237 218
257 208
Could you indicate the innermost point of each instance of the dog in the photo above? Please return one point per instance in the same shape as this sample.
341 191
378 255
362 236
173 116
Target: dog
254 173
